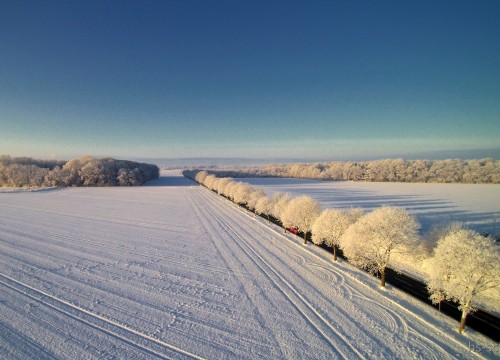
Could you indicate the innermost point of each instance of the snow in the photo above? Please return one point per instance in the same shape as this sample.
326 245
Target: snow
6 189
476 205
171 270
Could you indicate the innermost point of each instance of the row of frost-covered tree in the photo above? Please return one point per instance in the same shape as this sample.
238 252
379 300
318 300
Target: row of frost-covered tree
485 171
86 171
458 264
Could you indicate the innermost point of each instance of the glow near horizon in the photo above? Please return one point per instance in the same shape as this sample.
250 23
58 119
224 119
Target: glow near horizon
296 81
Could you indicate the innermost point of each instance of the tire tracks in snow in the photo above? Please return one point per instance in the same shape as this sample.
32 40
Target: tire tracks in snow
425 342
392 320
229 254
122 332
308 311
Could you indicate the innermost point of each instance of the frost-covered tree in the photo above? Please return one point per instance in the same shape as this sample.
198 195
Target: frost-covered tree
242 193
331 225
379 236
279 204
221 185
465 268
254 197
58 177
468 171
92 174
263 206
230 189
209 181
85 171
215 184
123 178
200 177
135 177
301 213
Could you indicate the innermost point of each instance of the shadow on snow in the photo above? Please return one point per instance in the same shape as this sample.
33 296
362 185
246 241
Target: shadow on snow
171 181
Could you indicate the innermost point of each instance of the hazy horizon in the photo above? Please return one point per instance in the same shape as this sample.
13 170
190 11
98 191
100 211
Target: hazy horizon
191 162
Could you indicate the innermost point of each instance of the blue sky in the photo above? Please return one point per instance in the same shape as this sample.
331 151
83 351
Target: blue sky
303 79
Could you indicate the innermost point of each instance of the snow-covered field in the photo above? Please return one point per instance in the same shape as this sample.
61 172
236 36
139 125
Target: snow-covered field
174 271
476 205
16 189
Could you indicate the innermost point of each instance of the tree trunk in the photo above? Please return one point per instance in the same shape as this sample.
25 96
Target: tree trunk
382 278
334 252
305 237
461 327
465 311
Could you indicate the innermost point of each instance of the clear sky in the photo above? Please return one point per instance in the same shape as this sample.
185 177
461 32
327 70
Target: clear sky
304 79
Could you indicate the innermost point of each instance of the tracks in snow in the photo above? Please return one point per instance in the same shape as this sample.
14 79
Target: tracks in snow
147 344
270 296
340 345
432 348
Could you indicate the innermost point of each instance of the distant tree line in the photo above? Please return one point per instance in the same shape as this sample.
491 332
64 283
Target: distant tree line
484 171
86 171
458 264
48 164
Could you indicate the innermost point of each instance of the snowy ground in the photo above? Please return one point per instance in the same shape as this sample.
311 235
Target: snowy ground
476 205
17 189
173 271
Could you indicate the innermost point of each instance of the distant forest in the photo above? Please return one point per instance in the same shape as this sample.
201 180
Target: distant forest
484 171
86 171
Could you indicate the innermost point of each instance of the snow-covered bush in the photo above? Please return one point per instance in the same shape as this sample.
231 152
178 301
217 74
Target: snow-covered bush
465 268
378 236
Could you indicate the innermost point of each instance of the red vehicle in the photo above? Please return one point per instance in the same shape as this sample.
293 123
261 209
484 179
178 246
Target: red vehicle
294 230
